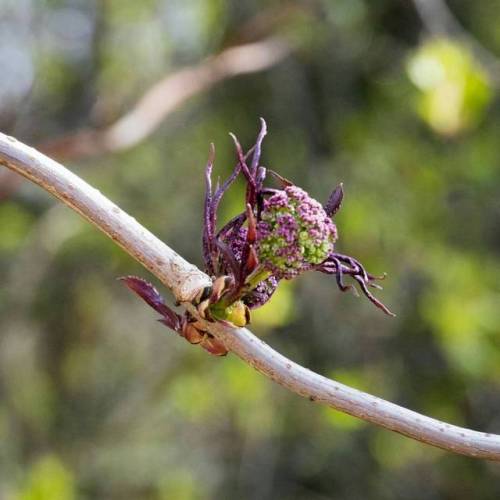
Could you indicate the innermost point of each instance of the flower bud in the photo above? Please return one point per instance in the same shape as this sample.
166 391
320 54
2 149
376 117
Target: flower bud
294 233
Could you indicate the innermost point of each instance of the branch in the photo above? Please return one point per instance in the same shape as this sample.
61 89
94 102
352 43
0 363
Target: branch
162 261
184 280
167 95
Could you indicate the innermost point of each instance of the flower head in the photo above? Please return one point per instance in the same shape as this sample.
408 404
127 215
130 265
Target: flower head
294 233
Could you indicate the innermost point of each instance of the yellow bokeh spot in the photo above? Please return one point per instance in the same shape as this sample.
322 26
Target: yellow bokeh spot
48 479
454 88
279 311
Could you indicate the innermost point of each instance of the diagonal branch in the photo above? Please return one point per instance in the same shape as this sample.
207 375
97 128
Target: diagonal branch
165 96
184 280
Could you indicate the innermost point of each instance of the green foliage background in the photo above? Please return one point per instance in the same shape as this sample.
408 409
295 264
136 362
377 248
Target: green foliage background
99 401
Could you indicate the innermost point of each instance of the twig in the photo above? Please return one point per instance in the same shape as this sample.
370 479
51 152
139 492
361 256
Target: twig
152 253
165 96
184 280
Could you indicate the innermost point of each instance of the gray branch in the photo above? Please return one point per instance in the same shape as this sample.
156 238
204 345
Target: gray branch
184 280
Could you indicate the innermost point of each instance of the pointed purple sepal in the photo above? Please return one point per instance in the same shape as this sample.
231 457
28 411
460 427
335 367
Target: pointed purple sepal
334 202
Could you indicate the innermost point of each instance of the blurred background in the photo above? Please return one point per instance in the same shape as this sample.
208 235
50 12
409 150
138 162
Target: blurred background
397 99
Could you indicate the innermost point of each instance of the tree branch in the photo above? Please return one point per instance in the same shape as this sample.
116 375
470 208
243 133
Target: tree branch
165 96
184 280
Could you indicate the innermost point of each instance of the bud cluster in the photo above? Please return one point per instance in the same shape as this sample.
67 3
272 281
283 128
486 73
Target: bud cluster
294 233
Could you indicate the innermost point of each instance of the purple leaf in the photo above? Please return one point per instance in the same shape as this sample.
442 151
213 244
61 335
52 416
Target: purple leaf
241 160
334 202
212 201
258 144
230 259
251 193
152 297
208 222
233 226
